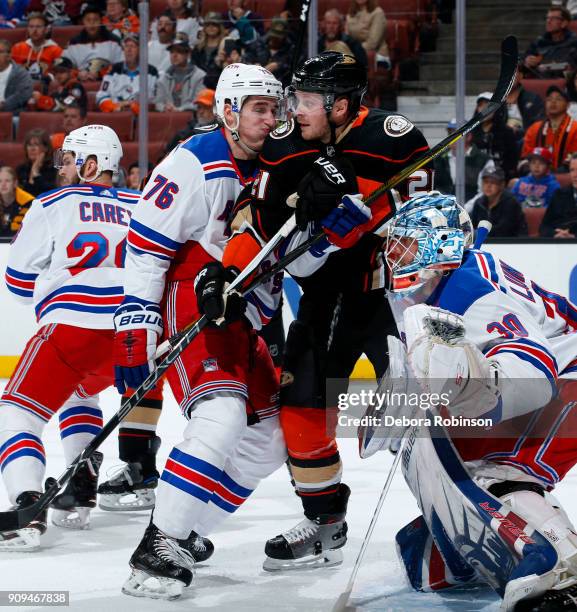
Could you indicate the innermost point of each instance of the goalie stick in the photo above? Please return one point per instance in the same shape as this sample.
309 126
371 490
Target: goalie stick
17 519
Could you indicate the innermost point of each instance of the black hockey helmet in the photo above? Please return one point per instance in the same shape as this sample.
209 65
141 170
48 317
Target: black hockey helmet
334 75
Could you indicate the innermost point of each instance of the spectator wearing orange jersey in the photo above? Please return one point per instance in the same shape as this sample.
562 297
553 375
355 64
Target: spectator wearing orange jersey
558 132
119 19
38 52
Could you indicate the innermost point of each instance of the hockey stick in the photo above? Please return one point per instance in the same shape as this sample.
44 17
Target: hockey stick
17 519
506 79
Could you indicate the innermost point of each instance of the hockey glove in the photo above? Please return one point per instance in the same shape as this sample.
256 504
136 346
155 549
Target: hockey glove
321 190
343 224
210 285
138 327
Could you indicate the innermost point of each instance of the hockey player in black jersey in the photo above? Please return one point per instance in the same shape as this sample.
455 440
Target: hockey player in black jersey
332 146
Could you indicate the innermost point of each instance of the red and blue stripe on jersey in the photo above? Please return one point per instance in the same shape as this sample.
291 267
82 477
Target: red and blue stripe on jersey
127 196
20 283
81 298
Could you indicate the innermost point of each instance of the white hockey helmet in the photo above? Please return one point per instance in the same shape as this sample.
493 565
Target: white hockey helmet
238 81
98 140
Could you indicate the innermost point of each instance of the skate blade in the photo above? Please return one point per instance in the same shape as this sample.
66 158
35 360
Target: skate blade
328 558
141 584
74 518
23 540
126 502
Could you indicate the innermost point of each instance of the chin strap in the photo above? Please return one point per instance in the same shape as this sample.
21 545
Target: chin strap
236 136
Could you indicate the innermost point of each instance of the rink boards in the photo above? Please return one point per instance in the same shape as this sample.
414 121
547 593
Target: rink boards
554 265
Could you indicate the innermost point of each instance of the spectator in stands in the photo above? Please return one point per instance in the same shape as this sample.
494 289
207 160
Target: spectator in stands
37 53
186 19
274 51
37 174
181 83
333 37
15 82
558 132
475 163
205 52
203 116
73 117
495 138
13 13
248 25
120 87
95 48
537 188
523 108
572 93
119 19
560 219
366 22
555 51
133 176
498 206
158 55
62 90
14 202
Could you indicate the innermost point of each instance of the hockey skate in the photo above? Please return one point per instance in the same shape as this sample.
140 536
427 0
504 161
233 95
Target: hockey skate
161 567
311 543
561 598
28 538
128 490
200 548
71 509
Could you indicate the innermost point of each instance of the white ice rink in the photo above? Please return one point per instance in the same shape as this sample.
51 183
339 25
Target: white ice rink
93 564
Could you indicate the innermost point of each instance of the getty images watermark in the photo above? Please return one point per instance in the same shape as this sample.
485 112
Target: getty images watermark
427 405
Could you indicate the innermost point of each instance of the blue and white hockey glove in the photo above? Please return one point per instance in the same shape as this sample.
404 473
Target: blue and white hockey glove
343 224
138 327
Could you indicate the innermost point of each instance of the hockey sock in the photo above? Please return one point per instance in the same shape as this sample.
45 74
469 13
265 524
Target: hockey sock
22 456
80 419
194 467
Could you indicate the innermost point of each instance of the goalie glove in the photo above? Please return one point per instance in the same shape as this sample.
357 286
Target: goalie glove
444 362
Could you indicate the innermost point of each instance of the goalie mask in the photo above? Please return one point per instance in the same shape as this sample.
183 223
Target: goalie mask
428 235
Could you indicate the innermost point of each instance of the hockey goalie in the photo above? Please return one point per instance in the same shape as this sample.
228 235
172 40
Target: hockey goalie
505 350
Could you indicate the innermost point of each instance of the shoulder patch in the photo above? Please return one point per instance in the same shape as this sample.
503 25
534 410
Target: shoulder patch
397 125
283 130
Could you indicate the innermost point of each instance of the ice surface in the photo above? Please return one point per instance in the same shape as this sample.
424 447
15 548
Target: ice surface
93 564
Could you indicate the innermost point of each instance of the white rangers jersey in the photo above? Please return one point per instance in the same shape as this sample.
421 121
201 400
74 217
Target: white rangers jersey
185 205
528 330
69 254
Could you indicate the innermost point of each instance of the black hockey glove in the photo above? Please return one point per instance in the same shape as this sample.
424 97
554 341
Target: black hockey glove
322 188
209 286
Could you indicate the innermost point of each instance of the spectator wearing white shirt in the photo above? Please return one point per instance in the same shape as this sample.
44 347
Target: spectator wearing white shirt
158 55
186 21
120 87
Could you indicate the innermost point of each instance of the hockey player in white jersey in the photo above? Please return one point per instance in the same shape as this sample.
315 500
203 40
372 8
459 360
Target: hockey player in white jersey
66 261
510 356
225 381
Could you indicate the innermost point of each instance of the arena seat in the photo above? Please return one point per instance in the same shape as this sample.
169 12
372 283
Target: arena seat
130 150
91 85
540 86
13 35
341 5
11 154
220 6
122 123
270 8
163 126
564 179
157 7
91 96
400 35
51 122
62 34
6 127
534 216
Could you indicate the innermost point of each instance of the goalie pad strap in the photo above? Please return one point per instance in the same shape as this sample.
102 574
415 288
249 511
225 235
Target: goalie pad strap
498 489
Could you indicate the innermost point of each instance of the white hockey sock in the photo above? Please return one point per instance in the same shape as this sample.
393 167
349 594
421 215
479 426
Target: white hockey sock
22 456
194 467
